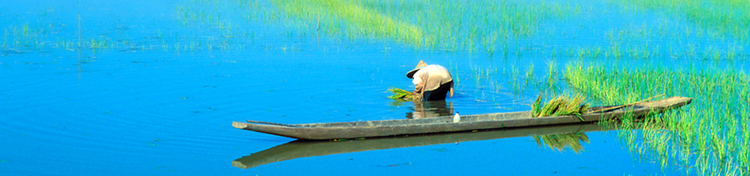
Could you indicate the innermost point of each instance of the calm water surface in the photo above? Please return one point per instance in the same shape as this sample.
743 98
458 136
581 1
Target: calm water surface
149 104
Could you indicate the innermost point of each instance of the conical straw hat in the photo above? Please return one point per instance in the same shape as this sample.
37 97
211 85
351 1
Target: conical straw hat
420 65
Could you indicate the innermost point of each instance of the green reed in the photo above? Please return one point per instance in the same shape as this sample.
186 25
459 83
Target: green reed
529 74
37 37
509 80
644 42
552 76
727 17
472 26
451 26
710 135
329 15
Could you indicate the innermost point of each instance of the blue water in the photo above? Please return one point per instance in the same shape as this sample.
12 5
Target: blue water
161 99
172 114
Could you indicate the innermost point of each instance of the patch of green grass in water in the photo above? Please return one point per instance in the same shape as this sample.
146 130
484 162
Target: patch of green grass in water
634 42
710 135
451 26
728 17
338 16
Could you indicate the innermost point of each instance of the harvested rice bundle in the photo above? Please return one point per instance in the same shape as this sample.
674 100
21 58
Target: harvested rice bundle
401 94
559 106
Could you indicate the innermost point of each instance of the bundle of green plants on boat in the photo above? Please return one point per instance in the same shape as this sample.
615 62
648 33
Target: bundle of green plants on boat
560 141
401 95
562 105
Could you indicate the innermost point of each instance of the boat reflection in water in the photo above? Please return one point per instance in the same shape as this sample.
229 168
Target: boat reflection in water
430 109
554 136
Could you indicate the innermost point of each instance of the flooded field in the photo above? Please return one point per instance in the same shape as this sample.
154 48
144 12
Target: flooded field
147 88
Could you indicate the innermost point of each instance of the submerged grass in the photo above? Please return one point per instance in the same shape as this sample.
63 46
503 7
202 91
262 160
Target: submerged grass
710 136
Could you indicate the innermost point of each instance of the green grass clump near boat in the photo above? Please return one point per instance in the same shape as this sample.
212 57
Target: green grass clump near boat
401 95
709 138
562 105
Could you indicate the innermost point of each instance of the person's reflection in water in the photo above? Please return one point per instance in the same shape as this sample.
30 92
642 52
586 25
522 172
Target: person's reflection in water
425 109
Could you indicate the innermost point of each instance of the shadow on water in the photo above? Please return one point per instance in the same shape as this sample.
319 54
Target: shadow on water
300 149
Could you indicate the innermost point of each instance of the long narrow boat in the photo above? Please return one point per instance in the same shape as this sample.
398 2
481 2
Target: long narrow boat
382 128
301 149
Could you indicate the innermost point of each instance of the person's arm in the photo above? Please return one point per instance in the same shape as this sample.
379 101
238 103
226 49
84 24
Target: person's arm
451 91
418 86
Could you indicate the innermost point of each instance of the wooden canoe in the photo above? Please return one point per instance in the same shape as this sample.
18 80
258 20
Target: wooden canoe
301 149
382 128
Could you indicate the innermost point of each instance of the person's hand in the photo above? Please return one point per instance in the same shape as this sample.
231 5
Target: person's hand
416 95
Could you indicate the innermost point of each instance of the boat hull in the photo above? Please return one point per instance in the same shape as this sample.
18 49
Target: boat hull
302 148
382 128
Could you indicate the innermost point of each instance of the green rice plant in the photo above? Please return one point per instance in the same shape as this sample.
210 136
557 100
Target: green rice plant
628 42
470 26
401 95
454 70
529 74
710 135
514 80
725 17
552 76
360 20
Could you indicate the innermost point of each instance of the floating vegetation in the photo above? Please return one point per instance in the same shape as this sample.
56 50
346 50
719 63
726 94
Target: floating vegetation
401 95
561 141
562 105
710 138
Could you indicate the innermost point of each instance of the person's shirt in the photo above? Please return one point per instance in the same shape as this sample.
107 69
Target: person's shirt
431 77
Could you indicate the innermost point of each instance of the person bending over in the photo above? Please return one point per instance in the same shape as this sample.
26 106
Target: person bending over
432 82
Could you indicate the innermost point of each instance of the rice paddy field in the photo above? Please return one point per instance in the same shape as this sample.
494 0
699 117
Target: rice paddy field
151 87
